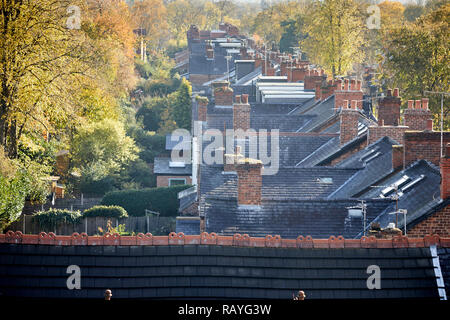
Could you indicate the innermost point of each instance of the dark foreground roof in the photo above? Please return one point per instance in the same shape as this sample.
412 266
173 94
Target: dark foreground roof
239 268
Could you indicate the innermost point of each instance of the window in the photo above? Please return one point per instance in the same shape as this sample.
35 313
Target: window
325 180
176 181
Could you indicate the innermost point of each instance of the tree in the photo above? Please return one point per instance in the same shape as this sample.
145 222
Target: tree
417 57
151 16
181 14
54 70
103 142
335 32
182 106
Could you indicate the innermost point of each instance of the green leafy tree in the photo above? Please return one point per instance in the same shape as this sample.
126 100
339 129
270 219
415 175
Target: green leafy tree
182 105
417 57
335 34
103 142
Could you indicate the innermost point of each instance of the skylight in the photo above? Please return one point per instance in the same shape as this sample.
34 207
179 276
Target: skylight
399 183
177 164
413 183
325 180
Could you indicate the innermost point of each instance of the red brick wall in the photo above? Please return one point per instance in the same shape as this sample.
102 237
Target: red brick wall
163 181
296 74
310 81
445 173
341 95
416 119
347 154
241 116
424 145
438 223
202 111
393 132
397 156
223 96
389 111
349 125
249 183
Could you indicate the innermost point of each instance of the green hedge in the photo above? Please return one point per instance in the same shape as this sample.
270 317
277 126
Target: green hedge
163 200
51 218
106 211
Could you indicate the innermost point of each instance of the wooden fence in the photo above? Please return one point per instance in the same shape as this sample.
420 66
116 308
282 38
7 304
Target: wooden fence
154 225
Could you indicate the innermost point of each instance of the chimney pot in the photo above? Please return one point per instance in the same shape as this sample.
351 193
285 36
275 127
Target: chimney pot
238 98
417 104
430 125
425 103
352 84
345 104
244 98
353 104
389 93
396 92
358 85
346 85
410 104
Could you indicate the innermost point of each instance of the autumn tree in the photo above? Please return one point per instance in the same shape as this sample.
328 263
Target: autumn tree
151 15
334 29
417 57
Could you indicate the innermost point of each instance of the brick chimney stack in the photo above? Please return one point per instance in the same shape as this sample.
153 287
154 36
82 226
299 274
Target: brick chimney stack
313 77
202 108
417 115
223 94
249 181
241 113
349 121
350 91
397 156
445 173
389 109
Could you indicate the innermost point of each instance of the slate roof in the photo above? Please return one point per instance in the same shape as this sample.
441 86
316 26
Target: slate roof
291 148
375 162
292 123
419 194
181 143
287 183
162 167
211 271
288 218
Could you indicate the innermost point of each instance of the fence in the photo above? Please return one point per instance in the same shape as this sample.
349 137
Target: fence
154 225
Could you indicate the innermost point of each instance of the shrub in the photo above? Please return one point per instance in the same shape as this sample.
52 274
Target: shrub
106 211
50 219
163 200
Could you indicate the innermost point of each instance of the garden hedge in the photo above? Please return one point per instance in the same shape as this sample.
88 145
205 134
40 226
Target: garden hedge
106 211
163 200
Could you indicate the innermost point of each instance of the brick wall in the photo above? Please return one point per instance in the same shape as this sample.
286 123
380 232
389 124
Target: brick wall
223 96
445 174
424 145
163 181
312 80
202 110
397 156
241 114
296 74
438 223
249 183
341 95
389 110
347 154
349 125
417 115
393 132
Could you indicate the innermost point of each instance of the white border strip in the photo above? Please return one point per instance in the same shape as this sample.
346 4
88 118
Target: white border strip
438 273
